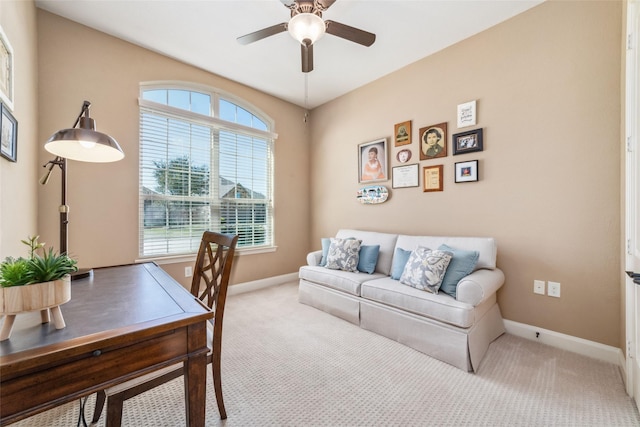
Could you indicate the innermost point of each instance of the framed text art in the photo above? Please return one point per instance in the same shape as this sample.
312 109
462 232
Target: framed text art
404 176
467 171
432 178
433 141
467 114
468 142
8 134
6 71
372 161
402 132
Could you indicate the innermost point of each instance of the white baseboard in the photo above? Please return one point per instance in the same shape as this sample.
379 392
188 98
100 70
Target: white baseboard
581 346
262 283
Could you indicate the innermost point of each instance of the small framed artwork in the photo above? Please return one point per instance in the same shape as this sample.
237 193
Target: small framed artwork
8 134
433 141
404 176
403 156
467 171
372 161
467 114
468 142
6 71
432 178
402 132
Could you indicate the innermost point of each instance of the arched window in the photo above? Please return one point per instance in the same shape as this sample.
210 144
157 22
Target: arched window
206 163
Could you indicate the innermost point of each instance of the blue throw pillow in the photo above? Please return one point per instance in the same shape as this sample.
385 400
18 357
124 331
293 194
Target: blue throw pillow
368 258
461 265
326 242
400 258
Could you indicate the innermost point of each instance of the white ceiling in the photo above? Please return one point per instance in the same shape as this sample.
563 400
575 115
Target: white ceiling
203 33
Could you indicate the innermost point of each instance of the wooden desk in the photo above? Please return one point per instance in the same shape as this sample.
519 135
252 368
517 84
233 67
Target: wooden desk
121 323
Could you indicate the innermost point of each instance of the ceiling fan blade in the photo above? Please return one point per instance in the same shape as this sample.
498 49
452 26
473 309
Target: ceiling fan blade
263 33
350 33
307 57
326 4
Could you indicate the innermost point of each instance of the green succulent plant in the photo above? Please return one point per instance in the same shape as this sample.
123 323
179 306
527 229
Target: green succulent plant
37 268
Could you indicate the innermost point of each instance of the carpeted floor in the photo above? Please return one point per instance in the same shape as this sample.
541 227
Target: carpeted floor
287 364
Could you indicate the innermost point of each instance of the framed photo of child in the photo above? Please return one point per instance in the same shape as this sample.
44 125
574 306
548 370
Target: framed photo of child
372 161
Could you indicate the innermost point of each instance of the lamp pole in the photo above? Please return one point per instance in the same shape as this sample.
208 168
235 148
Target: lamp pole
61 162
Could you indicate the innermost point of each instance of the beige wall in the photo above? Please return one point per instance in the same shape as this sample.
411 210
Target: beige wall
548 89
18 181
78 63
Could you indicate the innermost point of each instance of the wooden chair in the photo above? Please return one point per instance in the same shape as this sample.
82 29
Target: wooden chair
209 284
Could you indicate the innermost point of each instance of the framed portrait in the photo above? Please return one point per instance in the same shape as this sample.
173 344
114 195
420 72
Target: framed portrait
467 171
404 156
467 142
467 114
433 141
6 71
372 161
404 176
8 134
402 132
432 178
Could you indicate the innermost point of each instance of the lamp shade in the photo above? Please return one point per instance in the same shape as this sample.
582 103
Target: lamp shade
84 144
306 26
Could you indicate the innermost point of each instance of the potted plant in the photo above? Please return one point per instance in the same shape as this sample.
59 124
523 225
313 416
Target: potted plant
39 282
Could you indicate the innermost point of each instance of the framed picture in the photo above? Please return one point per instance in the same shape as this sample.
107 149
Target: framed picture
404 176
8 134
467 171
372 161
467 142
402 132
6 71
433 141
467 114
432 179
403 156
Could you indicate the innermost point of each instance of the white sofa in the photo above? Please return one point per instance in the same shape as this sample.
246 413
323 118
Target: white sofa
454 330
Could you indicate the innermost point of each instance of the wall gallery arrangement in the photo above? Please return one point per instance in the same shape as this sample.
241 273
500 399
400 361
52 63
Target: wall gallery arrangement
374 160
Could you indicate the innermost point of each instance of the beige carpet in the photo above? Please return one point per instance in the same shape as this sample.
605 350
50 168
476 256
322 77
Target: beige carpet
287 364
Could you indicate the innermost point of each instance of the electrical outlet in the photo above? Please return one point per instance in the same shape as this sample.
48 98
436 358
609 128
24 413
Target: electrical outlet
554 289
538 287
188 272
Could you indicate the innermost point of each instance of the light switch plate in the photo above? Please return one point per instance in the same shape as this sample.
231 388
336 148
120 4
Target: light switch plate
538 287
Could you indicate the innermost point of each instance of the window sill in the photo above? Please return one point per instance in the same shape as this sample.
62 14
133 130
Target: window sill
176 259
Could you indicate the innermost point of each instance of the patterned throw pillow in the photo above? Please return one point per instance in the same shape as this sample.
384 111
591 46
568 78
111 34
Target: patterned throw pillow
426 269
343 254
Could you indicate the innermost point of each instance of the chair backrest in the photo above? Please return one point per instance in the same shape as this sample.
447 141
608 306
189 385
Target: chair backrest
212 271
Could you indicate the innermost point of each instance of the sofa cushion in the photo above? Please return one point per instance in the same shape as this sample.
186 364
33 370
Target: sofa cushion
441 307
486 246
324 242
461 265
368 258
425 269
344 281
343 254
386 241
400 258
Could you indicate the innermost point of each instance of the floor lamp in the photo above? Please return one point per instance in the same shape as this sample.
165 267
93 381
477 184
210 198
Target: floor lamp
82 143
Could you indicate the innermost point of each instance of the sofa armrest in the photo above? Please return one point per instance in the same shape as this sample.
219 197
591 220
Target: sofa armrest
479 285
313 258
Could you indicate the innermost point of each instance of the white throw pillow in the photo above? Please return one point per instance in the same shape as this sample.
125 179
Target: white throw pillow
343 254
425 269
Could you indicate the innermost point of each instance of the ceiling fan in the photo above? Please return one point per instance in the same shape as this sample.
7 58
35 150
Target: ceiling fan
307 26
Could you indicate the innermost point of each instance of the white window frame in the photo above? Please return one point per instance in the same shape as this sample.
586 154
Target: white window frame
215 123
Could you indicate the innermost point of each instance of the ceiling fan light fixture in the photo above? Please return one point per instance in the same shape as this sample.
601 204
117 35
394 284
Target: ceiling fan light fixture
306 26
